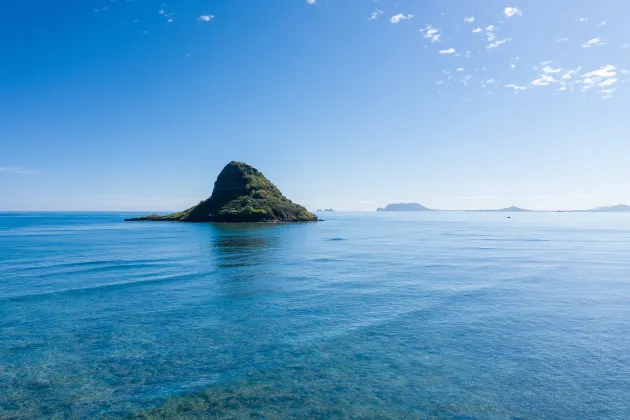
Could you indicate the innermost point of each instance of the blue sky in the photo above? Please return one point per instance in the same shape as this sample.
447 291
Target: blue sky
137 105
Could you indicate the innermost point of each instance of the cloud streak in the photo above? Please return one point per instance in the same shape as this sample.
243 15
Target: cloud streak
593 43
498 43
516 87
375 14
18 170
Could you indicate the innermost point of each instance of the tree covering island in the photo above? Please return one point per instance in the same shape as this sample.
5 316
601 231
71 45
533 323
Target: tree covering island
241 194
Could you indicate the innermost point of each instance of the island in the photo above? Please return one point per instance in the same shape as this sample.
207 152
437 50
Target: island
514 209
619 208
328 210
507 209
404 207
241 194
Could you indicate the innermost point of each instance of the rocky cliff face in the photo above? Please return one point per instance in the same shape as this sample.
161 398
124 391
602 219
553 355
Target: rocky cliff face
241 194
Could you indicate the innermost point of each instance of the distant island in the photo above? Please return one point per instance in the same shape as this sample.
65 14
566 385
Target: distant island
507 209
328 210
619 208
404 207
241 194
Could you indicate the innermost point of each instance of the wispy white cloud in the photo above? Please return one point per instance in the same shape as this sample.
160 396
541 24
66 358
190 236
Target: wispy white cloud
448 51
375 14
431 33
477 30
570 73
397 18
512 11
565 39
460 69
516 87
205 18
498 43
543 80
551 70
469 19
592 43
608 82
603 77
490 33
605 71
582 20
311 2
603 23
19 170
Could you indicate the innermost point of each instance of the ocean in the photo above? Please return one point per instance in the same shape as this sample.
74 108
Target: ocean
366 316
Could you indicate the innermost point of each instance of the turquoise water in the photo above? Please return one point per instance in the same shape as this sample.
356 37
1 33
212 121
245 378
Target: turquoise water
455 315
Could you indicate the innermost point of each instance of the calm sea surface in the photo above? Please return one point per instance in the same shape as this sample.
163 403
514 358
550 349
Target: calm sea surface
412 315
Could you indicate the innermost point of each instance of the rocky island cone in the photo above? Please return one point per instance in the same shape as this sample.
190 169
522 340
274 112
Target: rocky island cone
241 194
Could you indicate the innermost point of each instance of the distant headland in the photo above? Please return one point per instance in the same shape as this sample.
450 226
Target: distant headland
241 194
512 209
619 208
404 207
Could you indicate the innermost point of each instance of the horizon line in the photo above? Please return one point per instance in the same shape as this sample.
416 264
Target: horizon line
428 210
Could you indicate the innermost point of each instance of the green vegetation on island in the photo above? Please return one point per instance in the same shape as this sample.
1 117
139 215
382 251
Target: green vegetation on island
241 194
